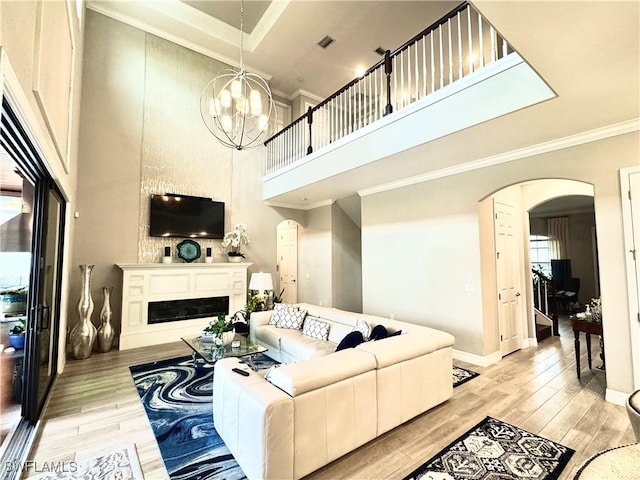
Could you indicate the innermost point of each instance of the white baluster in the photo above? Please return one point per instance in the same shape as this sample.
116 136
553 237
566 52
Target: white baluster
460 64
441 57
450 52
395 83
424 66
480 41
492 35
470 33
415 51
433 67
504 48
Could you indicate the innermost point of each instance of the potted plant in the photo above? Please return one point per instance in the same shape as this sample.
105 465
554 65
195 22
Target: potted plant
221 330
233 240
16 334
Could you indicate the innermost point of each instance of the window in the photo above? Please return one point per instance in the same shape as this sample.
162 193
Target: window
540 251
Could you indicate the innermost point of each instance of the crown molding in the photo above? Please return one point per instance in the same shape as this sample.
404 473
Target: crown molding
311 206
275 9
608 131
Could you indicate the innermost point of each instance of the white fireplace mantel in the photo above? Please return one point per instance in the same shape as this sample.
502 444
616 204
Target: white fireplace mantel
152 282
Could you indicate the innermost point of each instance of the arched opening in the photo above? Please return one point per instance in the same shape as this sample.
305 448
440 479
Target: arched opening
567 255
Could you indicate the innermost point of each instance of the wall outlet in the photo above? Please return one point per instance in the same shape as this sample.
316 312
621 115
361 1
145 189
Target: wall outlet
320 302
469 287
392 316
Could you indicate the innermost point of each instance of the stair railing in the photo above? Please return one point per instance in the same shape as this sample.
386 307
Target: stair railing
450 49
544 294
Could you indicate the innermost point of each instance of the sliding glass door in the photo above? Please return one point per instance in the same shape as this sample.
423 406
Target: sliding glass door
32 212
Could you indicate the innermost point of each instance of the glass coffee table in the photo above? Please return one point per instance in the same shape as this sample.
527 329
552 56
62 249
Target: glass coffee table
211 353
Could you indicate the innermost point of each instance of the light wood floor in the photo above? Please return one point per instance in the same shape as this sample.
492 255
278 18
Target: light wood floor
94 407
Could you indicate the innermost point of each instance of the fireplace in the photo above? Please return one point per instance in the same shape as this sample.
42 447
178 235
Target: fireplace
187 309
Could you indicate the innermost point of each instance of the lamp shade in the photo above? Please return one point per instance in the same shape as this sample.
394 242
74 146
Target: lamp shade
261 281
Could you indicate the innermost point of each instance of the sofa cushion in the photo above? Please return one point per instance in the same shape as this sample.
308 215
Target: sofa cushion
269 334
338 331
287 316
301 377
363 327
379 332
351 340
302 347
396 349
315 328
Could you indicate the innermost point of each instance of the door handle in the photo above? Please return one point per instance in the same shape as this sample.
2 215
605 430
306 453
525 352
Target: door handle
517 294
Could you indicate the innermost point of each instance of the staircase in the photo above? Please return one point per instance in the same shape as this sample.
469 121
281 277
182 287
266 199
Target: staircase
546 317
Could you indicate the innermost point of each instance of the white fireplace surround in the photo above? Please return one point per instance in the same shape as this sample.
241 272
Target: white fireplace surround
155 282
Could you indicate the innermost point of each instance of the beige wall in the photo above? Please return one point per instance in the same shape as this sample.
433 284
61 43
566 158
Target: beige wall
50 114
420 246
346 258
314 258
142 133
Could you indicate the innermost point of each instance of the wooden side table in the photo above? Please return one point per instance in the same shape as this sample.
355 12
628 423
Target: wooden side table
589 328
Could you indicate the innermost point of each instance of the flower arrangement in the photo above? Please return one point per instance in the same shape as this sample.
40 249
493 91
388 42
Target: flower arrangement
234 239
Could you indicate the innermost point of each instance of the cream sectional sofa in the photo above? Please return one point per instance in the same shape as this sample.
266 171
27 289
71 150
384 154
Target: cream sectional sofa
325 403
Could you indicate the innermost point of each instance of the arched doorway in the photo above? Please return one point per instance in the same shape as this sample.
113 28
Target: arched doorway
519 315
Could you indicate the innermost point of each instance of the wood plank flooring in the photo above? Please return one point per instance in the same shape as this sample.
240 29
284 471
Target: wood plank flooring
94 407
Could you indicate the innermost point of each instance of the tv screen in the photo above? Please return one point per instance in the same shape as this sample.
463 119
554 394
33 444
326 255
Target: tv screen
173 215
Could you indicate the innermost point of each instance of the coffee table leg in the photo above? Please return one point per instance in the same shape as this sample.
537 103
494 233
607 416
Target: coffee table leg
576 344
194 358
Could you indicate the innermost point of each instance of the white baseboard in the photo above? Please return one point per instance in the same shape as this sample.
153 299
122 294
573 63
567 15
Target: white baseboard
480 360
616 397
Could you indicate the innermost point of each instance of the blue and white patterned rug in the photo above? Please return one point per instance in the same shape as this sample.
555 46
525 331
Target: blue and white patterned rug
495 450
177 399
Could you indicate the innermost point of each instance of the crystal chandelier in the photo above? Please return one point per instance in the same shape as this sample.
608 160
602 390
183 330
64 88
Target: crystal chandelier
236 105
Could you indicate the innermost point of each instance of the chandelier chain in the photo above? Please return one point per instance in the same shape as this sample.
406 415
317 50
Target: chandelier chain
241 34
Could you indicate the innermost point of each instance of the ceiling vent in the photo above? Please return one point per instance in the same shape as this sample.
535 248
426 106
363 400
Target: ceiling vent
326 41
380 51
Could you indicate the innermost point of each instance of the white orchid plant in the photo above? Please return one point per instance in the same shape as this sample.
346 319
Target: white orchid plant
234 239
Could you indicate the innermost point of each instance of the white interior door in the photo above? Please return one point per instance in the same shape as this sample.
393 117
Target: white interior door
508 278
630 180
287 252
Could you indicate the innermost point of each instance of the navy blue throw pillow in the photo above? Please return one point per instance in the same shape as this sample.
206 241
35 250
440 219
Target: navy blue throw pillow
378 333
351 340
394 334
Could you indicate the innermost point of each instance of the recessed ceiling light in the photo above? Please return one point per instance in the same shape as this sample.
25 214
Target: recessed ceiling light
326 41
360 71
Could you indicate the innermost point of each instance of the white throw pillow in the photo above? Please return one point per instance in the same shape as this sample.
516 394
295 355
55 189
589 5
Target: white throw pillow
315 328
287 316
364 328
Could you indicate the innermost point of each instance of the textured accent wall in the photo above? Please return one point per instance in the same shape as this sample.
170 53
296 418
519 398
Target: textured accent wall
178 155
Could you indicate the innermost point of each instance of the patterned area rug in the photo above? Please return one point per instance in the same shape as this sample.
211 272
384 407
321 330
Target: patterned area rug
119 464
462 375
494 450
177 399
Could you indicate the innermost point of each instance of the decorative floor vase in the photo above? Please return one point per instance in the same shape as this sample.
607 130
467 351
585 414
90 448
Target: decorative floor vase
106 333
83 334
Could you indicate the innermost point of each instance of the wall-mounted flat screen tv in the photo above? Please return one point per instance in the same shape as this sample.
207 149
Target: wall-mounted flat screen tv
173 215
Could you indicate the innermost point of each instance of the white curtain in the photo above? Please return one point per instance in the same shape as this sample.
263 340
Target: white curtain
558 231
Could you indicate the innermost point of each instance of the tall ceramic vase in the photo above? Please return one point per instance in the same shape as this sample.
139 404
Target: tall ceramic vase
83 334
106 333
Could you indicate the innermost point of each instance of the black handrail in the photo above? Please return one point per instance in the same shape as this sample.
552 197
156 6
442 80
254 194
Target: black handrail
386 62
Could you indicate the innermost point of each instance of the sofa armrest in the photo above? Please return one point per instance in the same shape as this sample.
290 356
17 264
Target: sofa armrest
257 319
400 348
255 420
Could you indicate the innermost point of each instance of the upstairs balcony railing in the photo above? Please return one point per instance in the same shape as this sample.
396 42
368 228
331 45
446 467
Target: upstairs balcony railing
460 43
